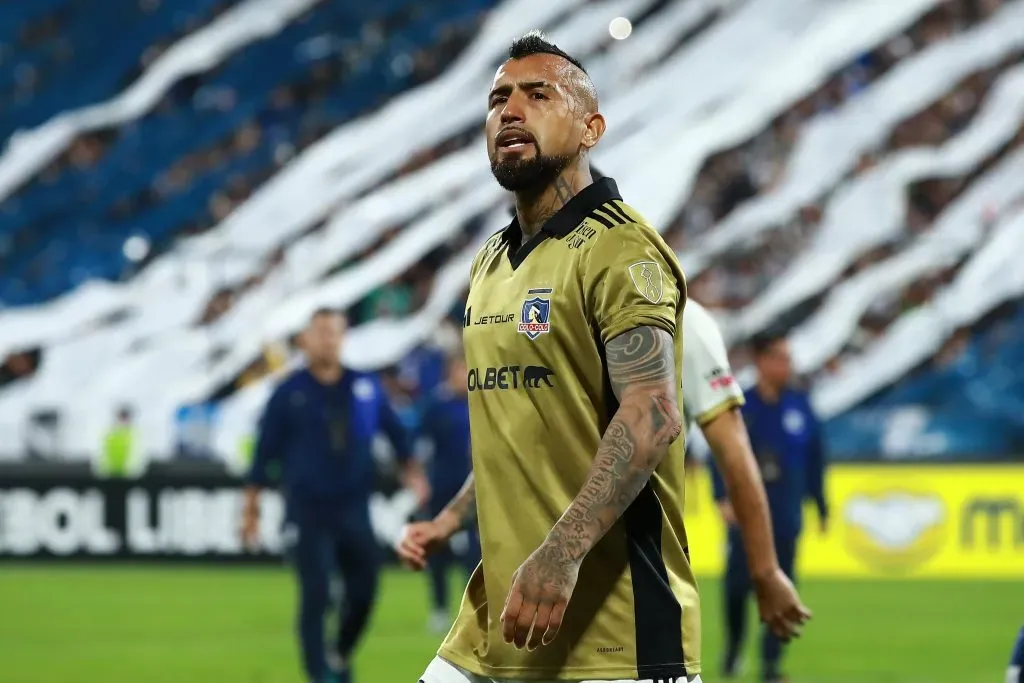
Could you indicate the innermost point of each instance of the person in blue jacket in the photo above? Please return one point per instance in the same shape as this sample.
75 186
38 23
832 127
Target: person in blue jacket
318 429
786 439
1015 671
444 442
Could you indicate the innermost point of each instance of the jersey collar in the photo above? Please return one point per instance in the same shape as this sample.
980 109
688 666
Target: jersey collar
564 221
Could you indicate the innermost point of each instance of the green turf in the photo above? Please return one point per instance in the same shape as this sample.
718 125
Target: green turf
169 625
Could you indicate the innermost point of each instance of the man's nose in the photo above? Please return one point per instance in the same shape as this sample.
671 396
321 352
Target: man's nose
512 112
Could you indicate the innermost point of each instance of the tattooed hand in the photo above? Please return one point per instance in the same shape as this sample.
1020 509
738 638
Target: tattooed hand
541 589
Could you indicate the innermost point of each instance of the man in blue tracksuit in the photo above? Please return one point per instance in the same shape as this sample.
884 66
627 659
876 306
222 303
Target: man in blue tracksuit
444 437
318 427
787 442
1015 671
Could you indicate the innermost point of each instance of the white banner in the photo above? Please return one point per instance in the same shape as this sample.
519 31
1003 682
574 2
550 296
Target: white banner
871 210
830 145
30 151
956 231
990 277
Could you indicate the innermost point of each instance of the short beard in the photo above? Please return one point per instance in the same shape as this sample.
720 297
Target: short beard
526 175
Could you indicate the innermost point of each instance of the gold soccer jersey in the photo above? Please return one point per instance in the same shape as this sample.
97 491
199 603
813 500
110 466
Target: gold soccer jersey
537 319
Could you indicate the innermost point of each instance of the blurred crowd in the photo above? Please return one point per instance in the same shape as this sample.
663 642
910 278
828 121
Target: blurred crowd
756 167
49 35
311 101
726 181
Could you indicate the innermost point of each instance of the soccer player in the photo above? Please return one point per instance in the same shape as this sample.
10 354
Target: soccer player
1015 672
572 346
319 426
787 443
444 438
712 399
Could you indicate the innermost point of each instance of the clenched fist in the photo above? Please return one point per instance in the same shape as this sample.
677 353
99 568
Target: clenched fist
421 539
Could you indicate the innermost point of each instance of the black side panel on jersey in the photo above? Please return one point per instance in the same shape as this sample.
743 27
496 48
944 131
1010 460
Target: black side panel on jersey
657 614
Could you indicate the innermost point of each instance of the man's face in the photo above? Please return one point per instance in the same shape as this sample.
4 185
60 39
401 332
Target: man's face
535 123
775 364
323 338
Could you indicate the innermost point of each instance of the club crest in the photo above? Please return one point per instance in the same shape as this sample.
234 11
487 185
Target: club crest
534 318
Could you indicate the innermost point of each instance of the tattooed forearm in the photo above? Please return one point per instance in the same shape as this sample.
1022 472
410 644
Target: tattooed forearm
641 367
462 508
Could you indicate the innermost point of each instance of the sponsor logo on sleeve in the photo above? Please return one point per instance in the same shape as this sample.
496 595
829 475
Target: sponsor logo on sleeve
720 378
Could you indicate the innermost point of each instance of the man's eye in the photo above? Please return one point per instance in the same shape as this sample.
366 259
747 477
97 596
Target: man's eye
538 96
498 99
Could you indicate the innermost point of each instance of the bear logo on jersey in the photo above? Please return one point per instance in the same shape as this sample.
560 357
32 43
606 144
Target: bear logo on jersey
533 321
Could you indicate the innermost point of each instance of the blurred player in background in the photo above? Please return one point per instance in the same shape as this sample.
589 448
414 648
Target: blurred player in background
1015 672
573 347
444 440
712 399
787 443
319 426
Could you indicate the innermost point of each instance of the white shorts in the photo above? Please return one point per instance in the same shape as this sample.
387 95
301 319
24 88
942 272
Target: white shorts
440 671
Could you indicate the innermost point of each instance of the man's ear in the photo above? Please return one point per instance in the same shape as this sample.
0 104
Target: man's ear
595 126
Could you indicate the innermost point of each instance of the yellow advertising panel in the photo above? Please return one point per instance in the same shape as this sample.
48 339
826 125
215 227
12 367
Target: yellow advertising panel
893 521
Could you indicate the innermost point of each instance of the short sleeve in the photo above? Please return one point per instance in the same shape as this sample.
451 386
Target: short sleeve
630 281
709 387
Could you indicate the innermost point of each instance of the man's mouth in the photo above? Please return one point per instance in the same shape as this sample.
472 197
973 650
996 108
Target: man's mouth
513 140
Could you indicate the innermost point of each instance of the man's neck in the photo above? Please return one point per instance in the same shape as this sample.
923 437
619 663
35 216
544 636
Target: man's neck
326 373
534 209
769 393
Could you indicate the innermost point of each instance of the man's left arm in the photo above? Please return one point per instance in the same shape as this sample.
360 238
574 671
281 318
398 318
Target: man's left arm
816 468
413 476
634 299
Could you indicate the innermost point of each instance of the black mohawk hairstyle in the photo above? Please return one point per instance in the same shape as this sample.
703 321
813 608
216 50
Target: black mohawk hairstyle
535 43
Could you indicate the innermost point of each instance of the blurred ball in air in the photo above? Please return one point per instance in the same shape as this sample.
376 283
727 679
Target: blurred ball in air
135 248
620 28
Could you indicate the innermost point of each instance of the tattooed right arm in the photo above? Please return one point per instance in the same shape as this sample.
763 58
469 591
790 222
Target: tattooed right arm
641 367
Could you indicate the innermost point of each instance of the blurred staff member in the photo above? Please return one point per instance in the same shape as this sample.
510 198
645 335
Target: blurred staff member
787 444
712 399
1015 672
118 446
319 426
445 440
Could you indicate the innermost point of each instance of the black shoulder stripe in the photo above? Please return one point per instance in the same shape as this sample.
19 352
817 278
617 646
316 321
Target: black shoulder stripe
600 219
611 215
614 206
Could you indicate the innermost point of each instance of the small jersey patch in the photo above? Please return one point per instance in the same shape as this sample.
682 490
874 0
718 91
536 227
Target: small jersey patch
719 378
648 280
534 319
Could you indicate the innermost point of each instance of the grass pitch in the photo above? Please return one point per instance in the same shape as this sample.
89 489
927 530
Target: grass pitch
103 624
